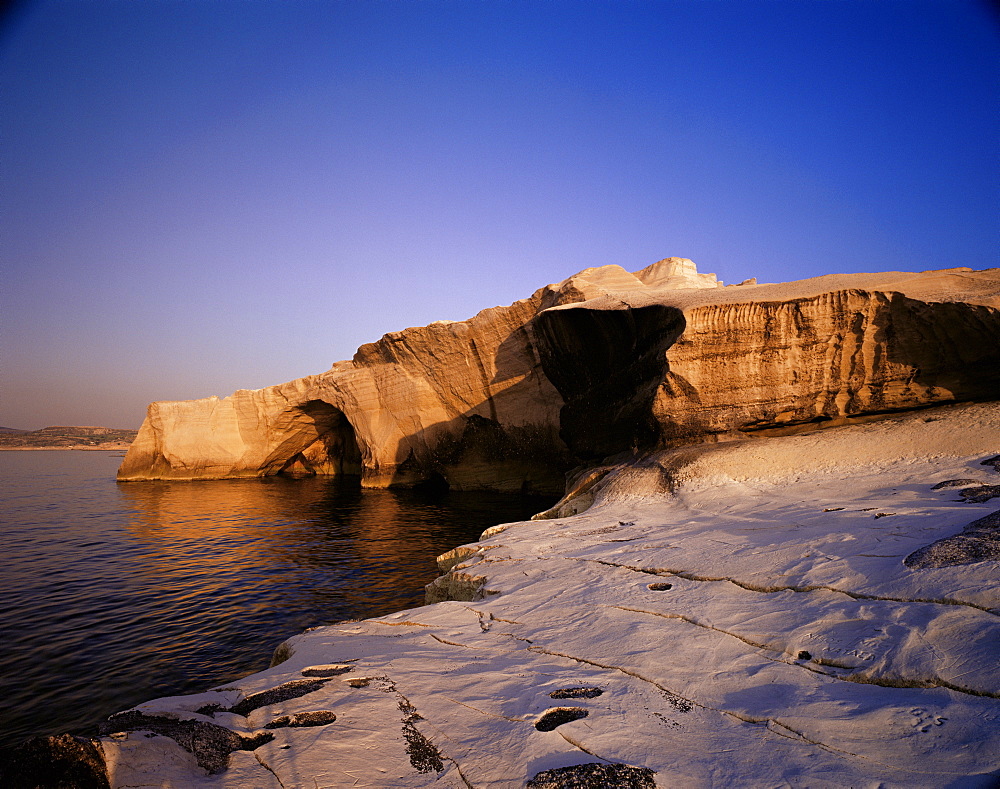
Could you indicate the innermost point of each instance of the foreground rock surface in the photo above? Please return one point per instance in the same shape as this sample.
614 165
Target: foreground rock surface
737 614
604 362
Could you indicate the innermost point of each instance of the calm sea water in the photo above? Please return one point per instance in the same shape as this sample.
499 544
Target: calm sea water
113 594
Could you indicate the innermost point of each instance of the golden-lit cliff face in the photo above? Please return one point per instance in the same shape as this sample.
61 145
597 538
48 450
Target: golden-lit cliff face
603 362
806 361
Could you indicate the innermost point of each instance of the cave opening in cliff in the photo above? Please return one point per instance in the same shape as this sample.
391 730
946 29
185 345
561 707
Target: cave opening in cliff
333 449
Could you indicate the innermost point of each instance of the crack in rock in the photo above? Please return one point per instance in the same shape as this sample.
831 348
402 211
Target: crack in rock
776 726
688 576
267 767
210 743
858 676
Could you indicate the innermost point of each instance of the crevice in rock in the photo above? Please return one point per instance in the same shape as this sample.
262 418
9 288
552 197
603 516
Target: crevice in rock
330 670
904 682
793 734
267 767
771 589
484 712
581 747
450 643
858 676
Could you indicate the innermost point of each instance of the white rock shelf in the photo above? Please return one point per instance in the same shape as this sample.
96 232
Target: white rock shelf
734 615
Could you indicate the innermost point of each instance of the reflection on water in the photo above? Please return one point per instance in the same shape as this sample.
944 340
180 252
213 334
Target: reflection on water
115 594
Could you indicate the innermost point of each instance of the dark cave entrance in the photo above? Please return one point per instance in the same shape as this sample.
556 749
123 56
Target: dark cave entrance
334 450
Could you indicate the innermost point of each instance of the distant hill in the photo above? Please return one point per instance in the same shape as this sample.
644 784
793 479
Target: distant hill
66 437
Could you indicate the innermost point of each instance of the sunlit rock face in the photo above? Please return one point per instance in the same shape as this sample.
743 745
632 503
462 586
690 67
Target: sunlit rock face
604 362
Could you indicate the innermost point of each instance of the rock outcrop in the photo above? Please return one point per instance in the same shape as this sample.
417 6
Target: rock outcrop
604 362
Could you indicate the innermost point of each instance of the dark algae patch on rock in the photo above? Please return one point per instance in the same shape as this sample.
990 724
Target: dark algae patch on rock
980 494
62 762
977 542
290 690
594 776
210 743
424 755
576 693
558 716
313 718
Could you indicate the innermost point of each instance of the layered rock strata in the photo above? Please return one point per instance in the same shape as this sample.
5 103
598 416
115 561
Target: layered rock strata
729 614
604 362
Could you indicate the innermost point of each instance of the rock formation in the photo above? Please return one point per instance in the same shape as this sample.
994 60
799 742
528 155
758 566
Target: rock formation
601 363
725 595
733 614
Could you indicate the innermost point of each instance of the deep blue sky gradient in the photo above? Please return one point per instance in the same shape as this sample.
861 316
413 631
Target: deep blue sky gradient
205 195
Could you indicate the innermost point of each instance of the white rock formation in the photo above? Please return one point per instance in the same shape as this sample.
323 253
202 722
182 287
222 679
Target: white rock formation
723 615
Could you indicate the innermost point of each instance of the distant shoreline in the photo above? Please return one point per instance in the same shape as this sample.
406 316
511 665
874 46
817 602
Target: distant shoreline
109 447
64 437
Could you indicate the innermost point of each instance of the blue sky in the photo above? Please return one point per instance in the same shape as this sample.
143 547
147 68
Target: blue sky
204 195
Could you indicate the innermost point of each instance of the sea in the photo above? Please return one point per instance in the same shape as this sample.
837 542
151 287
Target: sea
112 594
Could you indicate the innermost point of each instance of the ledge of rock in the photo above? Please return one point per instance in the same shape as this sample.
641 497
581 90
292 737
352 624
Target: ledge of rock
602 363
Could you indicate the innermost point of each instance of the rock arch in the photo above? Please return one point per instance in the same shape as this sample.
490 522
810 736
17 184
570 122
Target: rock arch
325 444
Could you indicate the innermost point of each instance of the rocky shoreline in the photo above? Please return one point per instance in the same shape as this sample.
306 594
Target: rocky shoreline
728 615
775 562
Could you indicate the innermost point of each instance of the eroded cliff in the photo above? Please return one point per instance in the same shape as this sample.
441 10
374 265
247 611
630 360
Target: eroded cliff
603 362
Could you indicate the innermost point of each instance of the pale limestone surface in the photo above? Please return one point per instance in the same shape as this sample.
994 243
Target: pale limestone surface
604 362
743 609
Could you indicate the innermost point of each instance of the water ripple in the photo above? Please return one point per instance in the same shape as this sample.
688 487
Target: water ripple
115 594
